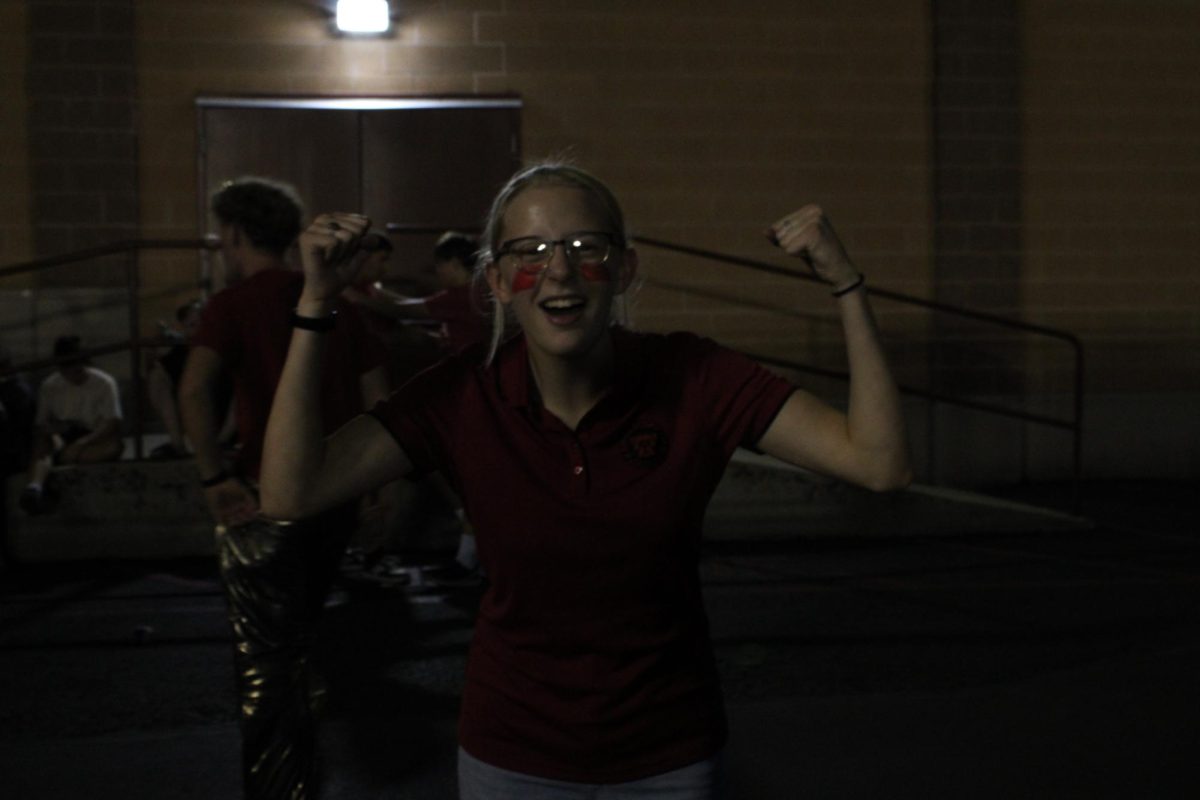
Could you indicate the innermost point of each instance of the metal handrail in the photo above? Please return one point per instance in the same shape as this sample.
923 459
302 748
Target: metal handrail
125 246
131 248
135 342
774 269
1073 424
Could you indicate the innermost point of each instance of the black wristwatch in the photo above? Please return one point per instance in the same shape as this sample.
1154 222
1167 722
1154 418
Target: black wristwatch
317 324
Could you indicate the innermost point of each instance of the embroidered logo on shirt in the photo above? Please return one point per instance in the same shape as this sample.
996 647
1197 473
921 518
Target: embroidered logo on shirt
646 445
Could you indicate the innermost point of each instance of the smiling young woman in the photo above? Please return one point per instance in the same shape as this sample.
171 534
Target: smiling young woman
585 454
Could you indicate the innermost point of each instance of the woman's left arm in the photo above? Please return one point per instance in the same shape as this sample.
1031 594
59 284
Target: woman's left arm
868 444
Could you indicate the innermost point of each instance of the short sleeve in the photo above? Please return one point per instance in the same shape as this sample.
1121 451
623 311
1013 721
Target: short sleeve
420 414
741 397
217 330
108 401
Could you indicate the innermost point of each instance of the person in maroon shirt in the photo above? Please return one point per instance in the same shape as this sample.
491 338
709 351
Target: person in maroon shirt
586 454
367 290
274 580
458 309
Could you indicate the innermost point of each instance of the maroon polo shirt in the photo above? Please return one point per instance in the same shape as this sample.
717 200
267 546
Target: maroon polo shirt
590 659
249 326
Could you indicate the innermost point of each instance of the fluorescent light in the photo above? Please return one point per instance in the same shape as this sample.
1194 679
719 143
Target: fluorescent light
363 16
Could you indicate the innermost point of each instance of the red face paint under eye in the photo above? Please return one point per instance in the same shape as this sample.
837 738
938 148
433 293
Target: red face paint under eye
596 273
524 281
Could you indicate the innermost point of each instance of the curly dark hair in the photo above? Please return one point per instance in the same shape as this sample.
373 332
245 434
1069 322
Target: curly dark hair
267 211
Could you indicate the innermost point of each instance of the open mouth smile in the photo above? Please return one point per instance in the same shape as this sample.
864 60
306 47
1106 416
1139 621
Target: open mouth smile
563 310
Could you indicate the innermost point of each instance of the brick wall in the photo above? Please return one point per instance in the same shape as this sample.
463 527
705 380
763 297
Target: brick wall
15 235
81 87
713 119
977 194
977 153
1112 186
1035 158
709 119
226 47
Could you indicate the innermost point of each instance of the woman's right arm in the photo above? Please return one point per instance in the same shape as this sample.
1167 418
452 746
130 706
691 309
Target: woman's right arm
302 471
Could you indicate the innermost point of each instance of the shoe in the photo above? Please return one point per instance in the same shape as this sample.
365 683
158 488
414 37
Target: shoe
382 569
452 576
391 566
31 500
50 494
36 499
354 561
166 452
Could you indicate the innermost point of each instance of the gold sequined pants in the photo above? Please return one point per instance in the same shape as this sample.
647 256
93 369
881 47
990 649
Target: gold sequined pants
276 577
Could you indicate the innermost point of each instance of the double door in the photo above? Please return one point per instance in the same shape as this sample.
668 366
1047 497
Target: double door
408 163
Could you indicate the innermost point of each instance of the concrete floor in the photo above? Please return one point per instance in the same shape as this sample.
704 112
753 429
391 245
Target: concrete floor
1032 665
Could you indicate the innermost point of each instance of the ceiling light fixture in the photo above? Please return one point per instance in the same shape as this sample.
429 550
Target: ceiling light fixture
363 16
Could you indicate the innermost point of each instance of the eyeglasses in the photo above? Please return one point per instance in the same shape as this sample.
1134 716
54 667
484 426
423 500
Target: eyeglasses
584 249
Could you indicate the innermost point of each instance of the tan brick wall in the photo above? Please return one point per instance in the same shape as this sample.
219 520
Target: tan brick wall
81 134
189 48
1112 185
16 235
709 119
712 119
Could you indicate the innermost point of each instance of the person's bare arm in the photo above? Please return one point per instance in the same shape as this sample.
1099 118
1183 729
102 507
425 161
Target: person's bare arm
102 443
106 429
230 501
392 305
868 444
374 386
302 471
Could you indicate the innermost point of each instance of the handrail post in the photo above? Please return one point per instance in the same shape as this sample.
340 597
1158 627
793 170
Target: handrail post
931 410
133 289
1075 425
1077 477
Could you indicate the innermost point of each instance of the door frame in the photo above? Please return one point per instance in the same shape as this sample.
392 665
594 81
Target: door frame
319 102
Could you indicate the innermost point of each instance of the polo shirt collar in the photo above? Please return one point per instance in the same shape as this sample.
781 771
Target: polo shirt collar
631 362
514 376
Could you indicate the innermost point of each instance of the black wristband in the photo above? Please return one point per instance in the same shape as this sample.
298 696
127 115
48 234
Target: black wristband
850 287
317 324
215 480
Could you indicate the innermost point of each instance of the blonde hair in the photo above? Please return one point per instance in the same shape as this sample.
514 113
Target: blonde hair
545 173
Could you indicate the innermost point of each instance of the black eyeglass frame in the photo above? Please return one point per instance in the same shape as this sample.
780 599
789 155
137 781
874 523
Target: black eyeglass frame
611 240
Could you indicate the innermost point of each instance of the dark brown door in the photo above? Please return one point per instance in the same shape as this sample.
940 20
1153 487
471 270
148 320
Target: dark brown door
315 150
436 168
408 162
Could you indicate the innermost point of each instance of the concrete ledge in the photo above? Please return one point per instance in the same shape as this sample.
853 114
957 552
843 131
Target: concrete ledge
763 498
154 509
123 509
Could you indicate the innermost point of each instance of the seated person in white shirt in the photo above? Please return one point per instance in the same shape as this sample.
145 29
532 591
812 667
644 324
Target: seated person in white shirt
78 421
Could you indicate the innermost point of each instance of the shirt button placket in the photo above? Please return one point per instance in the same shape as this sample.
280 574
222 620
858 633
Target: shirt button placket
577 466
